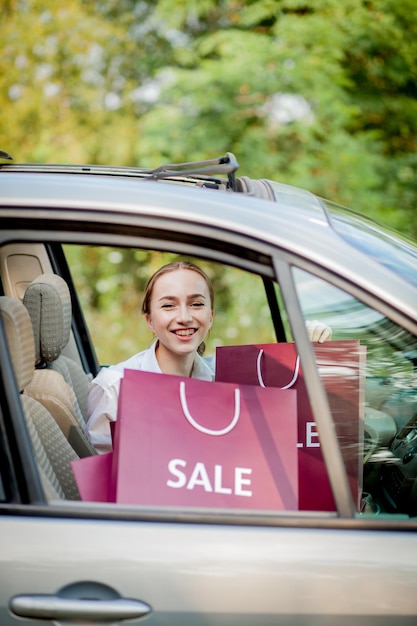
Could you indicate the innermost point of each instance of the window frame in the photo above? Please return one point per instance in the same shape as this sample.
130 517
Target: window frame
269 262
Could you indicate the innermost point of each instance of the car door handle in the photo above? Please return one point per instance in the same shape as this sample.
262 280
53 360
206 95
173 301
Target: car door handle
55 607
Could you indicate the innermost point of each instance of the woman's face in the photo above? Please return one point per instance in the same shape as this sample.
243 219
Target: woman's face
180 311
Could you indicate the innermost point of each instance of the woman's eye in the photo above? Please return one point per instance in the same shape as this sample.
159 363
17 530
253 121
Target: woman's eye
197 304
167 306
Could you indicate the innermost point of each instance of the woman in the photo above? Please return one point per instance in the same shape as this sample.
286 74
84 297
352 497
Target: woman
178 308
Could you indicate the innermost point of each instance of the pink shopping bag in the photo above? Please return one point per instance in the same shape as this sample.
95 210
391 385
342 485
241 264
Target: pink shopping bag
341 366
187 442
93 475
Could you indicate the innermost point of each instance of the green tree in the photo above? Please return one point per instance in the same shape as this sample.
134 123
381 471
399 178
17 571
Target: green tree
68 77
345 70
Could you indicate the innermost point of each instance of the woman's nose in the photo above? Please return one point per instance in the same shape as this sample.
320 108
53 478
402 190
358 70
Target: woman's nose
184 313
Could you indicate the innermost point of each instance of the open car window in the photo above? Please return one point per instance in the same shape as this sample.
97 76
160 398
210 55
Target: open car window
110 284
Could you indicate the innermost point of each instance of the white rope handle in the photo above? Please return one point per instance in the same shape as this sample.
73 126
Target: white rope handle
259 373
202 429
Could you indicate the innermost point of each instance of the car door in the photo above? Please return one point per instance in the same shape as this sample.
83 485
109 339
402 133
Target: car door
82 562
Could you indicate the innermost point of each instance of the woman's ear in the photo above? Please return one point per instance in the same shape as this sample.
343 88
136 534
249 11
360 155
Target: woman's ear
149 321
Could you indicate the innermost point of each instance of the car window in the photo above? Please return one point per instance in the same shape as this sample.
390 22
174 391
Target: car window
110 283
389 452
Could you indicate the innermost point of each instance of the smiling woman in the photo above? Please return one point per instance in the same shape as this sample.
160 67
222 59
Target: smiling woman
178 307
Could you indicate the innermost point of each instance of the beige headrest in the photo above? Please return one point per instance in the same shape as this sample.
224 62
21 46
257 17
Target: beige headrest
48 301
19 335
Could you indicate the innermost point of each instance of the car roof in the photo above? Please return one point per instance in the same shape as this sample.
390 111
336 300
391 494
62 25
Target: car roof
121 190
297 221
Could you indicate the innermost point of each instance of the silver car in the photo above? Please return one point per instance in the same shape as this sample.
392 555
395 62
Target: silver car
284 259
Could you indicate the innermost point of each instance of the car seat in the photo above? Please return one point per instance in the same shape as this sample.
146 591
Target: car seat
53 452
48 301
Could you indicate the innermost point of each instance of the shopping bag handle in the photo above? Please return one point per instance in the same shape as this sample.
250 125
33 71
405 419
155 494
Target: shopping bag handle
259 373
203 429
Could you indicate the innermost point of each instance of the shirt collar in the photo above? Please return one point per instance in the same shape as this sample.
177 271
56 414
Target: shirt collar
201 368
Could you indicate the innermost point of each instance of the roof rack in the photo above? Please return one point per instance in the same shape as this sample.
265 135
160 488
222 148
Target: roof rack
226 164
203 170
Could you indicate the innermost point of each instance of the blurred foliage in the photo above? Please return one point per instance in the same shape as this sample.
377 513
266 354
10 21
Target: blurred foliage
110 283
318 94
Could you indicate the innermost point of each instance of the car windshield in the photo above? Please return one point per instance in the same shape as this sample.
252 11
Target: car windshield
387 247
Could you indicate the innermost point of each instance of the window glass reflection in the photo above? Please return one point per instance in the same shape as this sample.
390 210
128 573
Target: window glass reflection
388 451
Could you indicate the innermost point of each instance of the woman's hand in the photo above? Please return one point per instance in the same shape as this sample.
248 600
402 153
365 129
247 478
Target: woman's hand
317 331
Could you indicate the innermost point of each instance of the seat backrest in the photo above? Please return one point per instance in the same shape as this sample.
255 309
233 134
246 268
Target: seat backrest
48 301
57 378
53 453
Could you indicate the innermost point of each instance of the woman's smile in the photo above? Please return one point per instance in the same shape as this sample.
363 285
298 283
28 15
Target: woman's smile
184 332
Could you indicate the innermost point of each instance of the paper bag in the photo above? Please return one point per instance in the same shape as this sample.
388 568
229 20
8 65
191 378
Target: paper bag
341 366
93 475
187 442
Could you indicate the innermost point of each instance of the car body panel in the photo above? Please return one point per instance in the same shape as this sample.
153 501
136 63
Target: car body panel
226 571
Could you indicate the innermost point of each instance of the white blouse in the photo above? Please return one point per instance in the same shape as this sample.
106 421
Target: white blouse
104 392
